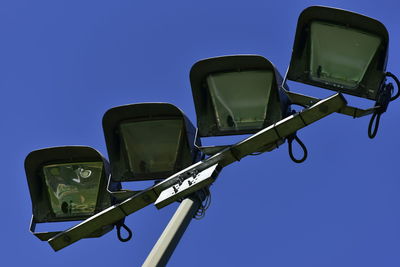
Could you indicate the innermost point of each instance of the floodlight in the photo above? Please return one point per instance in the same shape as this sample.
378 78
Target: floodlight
237 94
339 50
148 141
269 135
66 184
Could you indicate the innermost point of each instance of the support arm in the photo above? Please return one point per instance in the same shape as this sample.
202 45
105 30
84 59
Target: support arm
267 137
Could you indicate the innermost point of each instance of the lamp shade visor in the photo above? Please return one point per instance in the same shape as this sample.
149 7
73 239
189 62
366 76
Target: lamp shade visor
240 99
153 148
73 188
236 94
340 56
339 50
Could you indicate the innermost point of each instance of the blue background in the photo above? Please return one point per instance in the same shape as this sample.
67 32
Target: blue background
64 63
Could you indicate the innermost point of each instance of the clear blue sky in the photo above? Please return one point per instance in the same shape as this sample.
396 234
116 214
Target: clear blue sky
64 63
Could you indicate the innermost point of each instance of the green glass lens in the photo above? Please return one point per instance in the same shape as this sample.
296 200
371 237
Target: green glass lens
340 56
240 99
73 187
152 147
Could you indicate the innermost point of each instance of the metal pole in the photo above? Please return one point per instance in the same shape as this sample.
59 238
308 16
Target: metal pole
169 239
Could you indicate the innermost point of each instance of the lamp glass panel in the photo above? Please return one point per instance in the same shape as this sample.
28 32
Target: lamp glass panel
152 146
340 56
73 188
240 98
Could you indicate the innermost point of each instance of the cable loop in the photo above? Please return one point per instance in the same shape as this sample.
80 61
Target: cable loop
122 224
201 212
391 75
372 134
381 105
290 146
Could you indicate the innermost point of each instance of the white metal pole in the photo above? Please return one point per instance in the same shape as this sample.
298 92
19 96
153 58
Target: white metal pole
171 235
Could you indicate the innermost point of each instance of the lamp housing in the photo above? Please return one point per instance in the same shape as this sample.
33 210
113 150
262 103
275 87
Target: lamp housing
148 141
237 94
67 183
339 50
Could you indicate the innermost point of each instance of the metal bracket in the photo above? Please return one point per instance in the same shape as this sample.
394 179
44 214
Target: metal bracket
254 143
307 101
188 186
44 236
119 194
212 150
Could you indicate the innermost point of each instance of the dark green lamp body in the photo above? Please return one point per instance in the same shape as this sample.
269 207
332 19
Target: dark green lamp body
148 141
238 94
341 51
67 183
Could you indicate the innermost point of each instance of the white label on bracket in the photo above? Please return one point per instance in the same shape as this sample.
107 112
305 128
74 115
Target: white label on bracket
186 187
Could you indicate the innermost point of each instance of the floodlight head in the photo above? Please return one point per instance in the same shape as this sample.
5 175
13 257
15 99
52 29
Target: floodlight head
148 141
239 94
67 183
339 50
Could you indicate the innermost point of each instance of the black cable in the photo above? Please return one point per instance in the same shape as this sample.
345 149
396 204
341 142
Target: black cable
122 224
381 105
391 75
290 146
371 122
201 212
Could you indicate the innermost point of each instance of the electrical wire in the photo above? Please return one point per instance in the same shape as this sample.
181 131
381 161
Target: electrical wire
372 134
290 147
129 231
201 212
391 75
384 98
